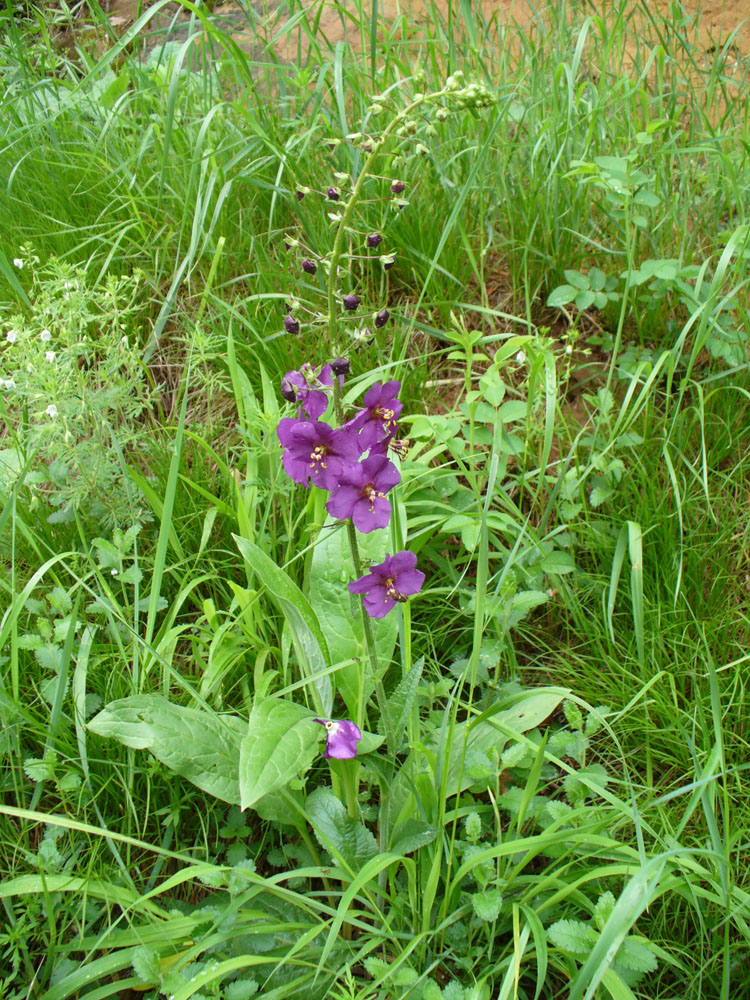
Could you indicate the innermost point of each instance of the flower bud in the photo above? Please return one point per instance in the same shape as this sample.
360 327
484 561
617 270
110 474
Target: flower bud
388 262
381 319
341 366
442 115
288 391
351 302
398 186
309 266
374 240
332 194
301 192
291 325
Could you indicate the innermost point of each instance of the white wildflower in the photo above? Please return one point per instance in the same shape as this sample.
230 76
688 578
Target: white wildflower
51 411
8 383
569 349
50 356
45 336
520 357
17 262
11 336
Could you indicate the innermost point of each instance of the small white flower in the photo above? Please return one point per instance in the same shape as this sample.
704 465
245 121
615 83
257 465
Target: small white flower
45 336
17 262
124 340
113 572
51 411
520 357
569 349
8 383
11 336
50 356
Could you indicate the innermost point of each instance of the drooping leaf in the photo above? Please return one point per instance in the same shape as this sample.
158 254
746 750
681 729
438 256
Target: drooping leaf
635 954
200 746
281 741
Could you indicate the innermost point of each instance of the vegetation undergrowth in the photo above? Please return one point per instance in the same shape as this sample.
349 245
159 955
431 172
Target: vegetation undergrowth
494 280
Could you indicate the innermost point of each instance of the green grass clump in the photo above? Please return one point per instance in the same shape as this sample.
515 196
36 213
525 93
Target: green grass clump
549 799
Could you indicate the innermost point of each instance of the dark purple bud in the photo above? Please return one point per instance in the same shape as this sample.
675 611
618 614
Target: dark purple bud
381 319
374 240
291 325
341 366
398 186
351 302
387 262
287 245
333 194
309 266
301 192
288 391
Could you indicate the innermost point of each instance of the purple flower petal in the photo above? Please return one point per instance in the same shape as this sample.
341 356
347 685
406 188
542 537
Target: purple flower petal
392 581
342 738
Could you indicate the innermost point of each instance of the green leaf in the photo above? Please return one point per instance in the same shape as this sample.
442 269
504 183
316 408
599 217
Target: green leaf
336 831
200 746
281 741
401 701
585 299
573 936
576 279
307 636
410 835
514 409
635 954
338 611
603 909
487 904
561 296
557 563
597 279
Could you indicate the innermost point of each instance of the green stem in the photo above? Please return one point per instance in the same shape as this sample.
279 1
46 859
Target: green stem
351 204
372 651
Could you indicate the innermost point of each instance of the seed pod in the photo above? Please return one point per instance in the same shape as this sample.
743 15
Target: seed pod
341 366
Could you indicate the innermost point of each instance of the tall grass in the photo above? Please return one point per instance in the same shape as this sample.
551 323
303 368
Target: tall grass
614 494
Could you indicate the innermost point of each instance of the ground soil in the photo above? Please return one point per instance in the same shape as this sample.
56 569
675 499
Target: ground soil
716 21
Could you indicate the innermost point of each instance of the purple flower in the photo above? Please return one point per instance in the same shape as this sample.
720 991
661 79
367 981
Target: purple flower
332 194
341 738
361 494
351 302
381 319
291 325
309 266
377 421
307 387
314 451
393 580
301 192
374 240
387 262
398 187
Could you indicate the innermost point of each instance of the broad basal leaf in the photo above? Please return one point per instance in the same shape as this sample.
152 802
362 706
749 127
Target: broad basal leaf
200 746
281 741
